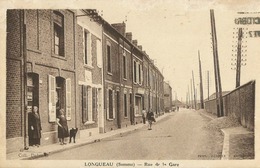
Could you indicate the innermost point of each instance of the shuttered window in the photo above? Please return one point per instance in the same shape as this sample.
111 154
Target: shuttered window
68 99
110 104
84 104
52 102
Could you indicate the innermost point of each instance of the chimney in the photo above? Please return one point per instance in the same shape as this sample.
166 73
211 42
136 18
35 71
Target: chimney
135 42
120 27
140 47
129 36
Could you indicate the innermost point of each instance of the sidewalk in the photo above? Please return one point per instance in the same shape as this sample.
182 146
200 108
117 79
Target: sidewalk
36 152
238 142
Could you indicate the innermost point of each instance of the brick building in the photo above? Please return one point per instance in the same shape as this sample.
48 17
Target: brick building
89 75
167 97
75 60
40 71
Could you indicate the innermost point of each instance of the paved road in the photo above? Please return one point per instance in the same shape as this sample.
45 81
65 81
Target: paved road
182 135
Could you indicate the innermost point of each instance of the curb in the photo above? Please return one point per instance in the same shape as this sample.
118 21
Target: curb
46 154
225 150
207 116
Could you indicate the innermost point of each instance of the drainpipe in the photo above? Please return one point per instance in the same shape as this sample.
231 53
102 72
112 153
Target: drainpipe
133 103
24 62
120 87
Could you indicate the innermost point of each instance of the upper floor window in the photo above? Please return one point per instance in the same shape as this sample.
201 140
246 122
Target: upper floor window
109 62
134 72
58 28
124 65
87 48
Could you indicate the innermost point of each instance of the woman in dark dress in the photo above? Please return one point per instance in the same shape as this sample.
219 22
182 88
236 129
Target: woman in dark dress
62 127
34 127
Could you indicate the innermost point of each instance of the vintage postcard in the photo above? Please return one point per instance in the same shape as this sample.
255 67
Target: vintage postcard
123 83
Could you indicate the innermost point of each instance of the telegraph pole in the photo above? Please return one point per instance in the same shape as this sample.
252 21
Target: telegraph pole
208 84
238 69
201 85
191 99
219 99
188 96
194 90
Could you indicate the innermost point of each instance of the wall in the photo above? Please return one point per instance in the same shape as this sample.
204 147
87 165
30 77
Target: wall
239 103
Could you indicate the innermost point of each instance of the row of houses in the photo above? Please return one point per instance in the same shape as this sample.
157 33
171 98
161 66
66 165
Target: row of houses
77 61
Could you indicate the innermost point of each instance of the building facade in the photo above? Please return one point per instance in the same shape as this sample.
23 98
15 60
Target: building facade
40 71
76 61
167 97
89 75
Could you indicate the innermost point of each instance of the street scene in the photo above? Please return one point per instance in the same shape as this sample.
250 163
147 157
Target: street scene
182 135
158 82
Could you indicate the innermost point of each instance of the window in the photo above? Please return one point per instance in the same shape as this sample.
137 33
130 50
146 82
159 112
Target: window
140 73
125 105
110 105
58 23
137 73
88 98
109 66
134 71
87 48
124 66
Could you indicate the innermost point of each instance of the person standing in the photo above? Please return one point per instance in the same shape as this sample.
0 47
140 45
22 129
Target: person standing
144 115
34 127
150 118
63 131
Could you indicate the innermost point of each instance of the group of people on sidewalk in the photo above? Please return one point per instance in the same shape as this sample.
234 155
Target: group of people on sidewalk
149 116
34 127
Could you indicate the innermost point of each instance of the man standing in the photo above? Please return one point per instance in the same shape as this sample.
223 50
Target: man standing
144 115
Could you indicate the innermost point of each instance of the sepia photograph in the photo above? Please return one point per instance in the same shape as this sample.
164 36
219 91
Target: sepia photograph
122 83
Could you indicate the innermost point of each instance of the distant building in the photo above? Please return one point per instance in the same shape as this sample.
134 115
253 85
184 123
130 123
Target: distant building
167 97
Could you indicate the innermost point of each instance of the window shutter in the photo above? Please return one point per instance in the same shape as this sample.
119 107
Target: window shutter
68 99
141 74
137 73
52 97
113 95
84 104
107 104
99 54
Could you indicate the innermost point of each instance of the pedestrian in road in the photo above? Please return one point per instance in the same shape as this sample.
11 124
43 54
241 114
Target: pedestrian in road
34 127
144 115
63 131
150 118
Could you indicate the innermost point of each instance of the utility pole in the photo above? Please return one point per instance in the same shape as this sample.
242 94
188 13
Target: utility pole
208 84
238 69
191 99
188 96
194 91
201 85
219 99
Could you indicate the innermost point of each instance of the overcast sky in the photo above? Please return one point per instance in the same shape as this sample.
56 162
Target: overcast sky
172 32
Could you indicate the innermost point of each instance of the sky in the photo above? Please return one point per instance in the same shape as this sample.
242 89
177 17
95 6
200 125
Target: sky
173 32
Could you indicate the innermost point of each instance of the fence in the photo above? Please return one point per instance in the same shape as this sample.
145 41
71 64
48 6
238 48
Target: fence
239 103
